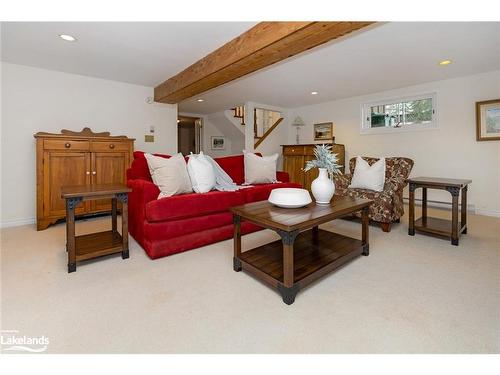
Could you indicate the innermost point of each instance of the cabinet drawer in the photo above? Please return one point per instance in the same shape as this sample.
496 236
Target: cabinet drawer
61 144
109 146
293 150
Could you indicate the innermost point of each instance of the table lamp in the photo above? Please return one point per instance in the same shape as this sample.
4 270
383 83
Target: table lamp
298 122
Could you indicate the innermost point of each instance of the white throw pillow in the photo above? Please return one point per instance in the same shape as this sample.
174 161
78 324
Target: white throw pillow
259 169
368 177
170 175
201 173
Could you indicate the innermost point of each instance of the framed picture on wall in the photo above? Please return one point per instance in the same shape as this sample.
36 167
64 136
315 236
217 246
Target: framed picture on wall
323 131
488 120
218 143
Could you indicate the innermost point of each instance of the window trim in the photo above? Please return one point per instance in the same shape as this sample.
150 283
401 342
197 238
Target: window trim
366 108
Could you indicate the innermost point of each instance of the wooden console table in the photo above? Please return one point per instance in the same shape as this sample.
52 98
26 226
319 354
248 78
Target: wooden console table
94 245
441 227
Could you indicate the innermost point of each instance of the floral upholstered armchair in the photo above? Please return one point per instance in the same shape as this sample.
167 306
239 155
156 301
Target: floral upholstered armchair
388 204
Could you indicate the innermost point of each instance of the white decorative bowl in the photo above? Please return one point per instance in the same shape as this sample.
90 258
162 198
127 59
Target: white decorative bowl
290 197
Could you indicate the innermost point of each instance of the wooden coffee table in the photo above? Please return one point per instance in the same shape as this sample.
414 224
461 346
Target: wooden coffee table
94 245
305 252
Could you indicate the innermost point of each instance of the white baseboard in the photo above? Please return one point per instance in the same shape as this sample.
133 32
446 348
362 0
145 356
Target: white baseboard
492 213
17 223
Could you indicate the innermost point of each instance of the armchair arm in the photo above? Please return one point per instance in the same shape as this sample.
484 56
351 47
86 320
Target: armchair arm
282 176
342 182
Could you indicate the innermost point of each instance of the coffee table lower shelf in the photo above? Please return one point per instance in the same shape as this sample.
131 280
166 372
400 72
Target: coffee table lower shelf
314 256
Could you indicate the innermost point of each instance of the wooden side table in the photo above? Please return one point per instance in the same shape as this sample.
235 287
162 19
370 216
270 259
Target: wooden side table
441 227
94 245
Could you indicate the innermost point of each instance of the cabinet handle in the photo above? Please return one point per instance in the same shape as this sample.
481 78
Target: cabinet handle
88 172
67 145
93 172
111 146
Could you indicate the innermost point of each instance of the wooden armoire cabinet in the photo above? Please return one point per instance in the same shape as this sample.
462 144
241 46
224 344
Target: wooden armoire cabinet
296 156
77 158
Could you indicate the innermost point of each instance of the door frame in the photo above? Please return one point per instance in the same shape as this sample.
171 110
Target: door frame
198 131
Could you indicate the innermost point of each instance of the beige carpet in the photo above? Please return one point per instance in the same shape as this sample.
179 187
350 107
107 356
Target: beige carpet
412 294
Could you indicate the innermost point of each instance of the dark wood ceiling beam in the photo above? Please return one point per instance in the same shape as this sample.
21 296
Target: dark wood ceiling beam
264 44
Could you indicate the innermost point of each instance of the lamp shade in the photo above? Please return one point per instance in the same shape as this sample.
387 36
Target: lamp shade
298 121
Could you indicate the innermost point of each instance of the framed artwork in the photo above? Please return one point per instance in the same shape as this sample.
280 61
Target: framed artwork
218 143
488 120
323 131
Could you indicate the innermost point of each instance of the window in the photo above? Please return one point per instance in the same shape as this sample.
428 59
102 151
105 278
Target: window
400 114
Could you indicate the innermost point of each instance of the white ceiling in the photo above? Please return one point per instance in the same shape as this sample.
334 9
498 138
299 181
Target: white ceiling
384 57
388 56
143 53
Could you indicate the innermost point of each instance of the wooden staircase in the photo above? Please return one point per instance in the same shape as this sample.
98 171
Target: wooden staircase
259 140
260 130
239 113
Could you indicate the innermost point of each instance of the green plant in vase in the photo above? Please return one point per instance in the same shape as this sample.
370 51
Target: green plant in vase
323 187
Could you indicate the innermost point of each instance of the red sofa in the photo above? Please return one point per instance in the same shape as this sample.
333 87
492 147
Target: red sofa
171 225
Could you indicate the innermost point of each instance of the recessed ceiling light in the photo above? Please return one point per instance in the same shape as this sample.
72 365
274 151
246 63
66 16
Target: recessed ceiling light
68 38
445 62
200 100
314 93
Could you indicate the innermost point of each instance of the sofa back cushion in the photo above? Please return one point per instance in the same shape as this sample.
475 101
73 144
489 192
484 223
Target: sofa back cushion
233 165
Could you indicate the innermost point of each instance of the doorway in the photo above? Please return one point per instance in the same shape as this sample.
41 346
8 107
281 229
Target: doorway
189 134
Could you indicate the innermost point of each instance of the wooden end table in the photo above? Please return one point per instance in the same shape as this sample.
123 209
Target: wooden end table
305 252
94 245
432 225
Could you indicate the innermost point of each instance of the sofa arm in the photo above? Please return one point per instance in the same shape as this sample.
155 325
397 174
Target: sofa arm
342 182
282 176
142 191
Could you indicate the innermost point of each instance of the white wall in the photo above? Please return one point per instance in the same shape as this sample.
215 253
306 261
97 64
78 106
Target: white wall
218 124
36 100
450 151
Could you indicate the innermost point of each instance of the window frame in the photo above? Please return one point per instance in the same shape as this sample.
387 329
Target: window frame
366 111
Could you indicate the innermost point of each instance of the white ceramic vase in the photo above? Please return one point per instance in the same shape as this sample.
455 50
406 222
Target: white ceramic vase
323 188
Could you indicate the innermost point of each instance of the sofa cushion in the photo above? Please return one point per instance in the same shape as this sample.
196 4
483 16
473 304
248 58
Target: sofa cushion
259 169
234 167
261 192
190 205
170 175
139 169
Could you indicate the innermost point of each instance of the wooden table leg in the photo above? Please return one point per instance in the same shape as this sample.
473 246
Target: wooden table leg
365 235
315 235
71 203
123 197
463 223
411 210
424 205
288 289
454 215
113 214
237 243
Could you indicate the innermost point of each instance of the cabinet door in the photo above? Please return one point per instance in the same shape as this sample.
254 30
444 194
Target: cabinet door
310 175
293 166
63 169
108 168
